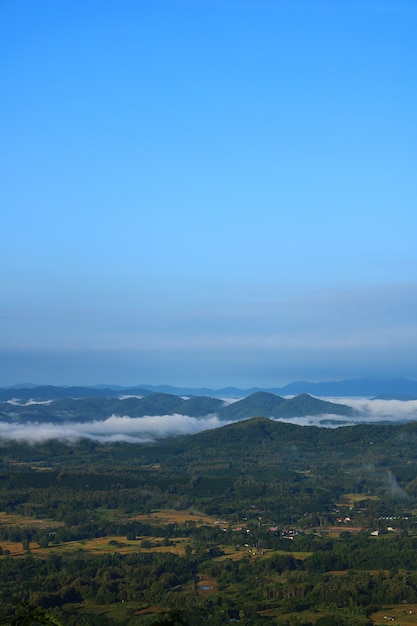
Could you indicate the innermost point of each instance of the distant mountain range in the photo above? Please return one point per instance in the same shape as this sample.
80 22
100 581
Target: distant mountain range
50 392
401 388
364 387
86 409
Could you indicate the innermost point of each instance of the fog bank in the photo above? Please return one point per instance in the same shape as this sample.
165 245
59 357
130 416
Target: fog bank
150 428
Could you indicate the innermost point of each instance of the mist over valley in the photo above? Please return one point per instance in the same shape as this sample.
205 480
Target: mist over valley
140 415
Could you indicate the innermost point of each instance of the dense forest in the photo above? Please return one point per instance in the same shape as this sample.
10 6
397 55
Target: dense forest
258 522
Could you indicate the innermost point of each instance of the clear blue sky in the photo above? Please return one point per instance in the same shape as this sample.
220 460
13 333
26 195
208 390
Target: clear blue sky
207 192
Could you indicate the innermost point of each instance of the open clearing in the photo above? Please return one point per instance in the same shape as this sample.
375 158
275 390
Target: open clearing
162 516
170 516
12 519
355 498
401 614
100 545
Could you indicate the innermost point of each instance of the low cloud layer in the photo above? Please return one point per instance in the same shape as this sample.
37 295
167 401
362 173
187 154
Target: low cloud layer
369 411
149 428
377 410
115 428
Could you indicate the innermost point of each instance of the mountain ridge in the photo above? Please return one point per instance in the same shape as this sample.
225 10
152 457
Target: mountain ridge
97 408
401 388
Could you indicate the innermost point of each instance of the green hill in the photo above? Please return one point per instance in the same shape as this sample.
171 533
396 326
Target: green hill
269 405
259 403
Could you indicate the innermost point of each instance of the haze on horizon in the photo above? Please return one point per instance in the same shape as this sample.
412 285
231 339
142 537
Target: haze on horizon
208 193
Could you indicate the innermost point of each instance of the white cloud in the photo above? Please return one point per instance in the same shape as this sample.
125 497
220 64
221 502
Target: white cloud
17 402
377 410
114 428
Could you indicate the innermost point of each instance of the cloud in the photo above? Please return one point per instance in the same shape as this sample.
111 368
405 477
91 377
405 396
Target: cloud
377 410
115 428
367 411
17 402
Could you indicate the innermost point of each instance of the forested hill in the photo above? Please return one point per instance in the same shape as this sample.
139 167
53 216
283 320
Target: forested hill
376 457
258 434
98 408
270 405
307 466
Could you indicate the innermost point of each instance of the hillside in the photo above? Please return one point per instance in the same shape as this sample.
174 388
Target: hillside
259 403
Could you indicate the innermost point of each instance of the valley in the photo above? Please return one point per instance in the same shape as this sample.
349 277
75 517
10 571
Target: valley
258 521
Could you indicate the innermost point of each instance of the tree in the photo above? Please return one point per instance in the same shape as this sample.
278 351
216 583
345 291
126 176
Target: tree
28 616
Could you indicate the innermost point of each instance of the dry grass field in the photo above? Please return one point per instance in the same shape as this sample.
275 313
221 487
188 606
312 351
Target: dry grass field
163 516
353 499
170 516
399 614
23 521
107 545
110 544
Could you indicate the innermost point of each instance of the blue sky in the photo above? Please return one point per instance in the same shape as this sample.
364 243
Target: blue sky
207 192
